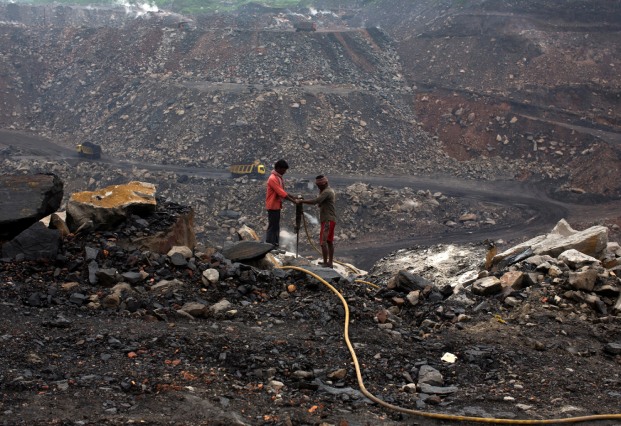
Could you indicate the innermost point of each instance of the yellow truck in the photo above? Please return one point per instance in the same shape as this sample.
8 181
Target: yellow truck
89 150
305 26
254 169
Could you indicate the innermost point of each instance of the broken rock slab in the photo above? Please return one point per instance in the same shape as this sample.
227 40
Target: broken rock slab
591 241
27 199
246 250
36 242
178 230
109 206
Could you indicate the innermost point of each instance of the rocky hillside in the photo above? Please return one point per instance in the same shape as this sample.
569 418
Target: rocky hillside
537 81
484 90
111 328
214 94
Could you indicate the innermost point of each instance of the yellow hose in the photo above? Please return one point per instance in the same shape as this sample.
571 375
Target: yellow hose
440 416
367 283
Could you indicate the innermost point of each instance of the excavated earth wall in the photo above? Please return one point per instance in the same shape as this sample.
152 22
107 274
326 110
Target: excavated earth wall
479 90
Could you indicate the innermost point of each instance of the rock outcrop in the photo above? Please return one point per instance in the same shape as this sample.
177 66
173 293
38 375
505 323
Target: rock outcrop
571 266
35 243
109 206
591 242
27 199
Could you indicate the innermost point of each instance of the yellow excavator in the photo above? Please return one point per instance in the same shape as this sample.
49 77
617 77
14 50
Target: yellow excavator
89 150
254 169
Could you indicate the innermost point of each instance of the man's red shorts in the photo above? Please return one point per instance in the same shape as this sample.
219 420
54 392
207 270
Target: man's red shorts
327 232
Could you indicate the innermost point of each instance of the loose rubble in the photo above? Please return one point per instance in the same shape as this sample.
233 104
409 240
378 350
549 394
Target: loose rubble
221 206
166 315
132 329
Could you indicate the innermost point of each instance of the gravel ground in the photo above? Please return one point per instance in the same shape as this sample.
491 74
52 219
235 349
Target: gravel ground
268 347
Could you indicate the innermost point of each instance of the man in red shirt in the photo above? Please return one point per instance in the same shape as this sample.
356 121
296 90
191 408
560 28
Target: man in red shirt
273 201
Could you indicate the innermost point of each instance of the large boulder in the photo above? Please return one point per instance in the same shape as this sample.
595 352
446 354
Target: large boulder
592 242
108 207
25 200
246 250
171 225
36 242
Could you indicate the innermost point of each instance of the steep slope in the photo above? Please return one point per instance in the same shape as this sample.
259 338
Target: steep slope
158 93
229 88
517 79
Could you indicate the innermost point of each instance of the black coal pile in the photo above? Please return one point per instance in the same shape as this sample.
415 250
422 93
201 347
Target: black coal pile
111 332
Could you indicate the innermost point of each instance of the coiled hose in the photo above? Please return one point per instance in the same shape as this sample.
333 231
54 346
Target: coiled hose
426 414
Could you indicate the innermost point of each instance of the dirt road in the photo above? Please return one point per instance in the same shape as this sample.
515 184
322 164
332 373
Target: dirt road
512 194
